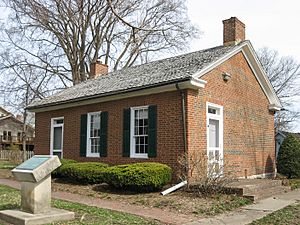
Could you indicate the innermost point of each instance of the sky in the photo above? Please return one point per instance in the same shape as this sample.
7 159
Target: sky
269 23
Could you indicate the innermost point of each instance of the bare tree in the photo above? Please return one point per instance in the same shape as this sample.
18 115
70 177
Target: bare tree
64 36
20 85
284 74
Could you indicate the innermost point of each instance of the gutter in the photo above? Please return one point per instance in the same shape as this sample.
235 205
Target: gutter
174 188
183 111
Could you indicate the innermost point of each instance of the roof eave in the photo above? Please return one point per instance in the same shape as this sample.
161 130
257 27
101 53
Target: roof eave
188 83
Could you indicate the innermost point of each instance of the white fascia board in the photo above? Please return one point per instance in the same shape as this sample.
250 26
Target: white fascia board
273 107
193 83
218 62
262 77
256 67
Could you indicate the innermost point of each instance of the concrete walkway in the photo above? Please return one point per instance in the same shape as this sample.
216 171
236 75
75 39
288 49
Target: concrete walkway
241 216
249 213
166 217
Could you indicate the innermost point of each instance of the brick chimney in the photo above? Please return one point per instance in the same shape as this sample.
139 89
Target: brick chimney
233 31
97 69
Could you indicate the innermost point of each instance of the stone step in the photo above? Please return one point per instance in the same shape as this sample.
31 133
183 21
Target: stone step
254 188
266 193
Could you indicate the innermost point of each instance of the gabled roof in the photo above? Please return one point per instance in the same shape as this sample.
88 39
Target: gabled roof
4 111
11 117
14 119
188 67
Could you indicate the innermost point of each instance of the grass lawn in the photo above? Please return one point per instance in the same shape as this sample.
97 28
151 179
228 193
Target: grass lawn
288 215
6 165
10 199
294 183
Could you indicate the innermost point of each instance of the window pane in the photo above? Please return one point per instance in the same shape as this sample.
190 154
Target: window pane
217 155
137 145
141 131
213 133
212 111
94 133
95 125
58 154
95 145
211 155
57 138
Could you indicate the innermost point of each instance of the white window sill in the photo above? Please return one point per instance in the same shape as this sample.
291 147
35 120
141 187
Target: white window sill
142 156
93 155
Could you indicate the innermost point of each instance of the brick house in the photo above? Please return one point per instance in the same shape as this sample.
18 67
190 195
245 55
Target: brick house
218 101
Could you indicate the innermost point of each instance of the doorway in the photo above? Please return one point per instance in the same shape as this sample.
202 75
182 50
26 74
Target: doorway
57 134
214 115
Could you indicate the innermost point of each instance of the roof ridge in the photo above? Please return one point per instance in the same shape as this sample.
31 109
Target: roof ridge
110 74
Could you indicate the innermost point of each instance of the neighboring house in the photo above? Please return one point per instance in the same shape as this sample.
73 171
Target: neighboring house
279 138
216 101
11 129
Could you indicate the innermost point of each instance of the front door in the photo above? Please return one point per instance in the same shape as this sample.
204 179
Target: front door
57 134
214 115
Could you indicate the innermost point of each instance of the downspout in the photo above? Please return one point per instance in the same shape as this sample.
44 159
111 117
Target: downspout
183 111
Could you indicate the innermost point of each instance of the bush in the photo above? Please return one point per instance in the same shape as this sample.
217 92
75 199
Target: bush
288 161
87 172
64 162
204 179
140 177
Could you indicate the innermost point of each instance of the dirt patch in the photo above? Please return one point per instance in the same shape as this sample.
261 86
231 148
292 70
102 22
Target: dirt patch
179 201
5 173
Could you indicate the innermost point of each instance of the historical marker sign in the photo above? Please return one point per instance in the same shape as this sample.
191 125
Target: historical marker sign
35 177
33 163
36 169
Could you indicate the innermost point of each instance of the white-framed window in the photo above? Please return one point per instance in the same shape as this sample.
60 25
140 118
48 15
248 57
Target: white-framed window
139 132
57 134
93 134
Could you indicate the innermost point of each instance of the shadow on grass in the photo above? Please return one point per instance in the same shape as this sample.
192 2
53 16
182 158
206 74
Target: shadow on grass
9 206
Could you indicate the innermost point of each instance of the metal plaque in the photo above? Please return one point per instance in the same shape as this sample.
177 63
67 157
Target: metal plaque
32 163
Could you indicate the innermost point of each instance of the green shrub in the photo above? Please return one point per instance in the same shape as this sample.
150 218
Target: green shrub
288 162
87 172
140 177
64 162
13 147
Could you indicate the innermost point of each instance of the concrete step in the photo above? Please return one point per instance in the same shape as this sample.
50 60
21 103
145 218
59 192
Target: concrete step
257 189
266 193
262 186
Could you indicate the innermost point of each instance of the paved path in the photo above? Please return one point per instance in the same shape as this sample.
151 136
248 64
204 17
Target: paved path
152 213
249 213
241 216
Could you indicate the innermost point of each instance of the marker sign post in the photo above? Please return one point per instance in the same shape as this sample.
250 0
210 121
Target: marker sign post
35 177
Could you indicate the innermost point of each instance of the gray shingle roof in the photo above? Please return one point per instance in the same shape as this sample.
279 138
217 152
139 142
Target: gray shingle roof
178 68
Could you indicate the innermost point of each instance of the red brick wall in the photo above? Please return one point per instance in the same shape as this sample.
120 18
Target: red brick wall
248 124
169 129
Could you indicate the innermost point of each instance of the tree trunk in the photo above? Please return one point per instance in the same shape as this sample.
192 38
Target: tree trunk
24 135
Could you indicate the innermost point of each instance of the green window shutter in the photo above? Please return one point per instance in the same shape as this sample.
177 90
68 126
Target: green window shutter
152 136
103 134
126 132
83 133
